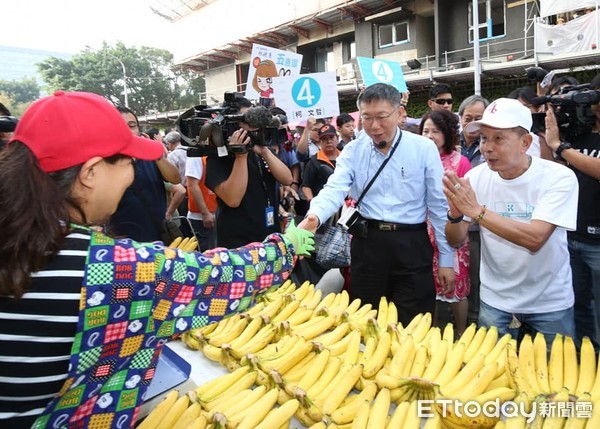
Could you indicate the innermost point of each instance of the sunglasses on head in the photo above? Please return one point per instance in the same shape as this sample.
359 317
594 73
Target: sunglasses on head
441 101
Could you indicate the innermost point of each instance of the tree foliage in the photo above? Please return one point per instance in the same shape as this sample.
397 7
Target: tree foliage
152 83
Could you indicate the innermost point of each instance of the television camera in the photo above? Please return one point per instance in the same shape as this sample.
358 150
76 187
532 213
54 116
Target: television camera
208 130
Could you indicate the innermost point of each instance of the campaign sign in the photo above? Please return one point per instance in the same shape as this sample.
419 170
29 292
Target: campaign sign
313 94
265 65
382 71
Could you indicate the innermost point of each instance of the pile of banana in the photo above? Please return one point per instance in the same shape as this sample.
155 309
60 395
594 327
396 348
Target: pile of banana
332 363
186 244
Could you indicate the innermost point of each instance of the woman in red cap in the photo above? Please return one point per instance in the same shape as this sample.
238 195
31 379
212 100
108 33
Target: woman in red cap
83 316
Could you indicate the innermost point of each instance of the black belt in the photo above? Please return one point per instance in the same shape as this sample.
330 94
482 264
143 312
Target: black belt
392 226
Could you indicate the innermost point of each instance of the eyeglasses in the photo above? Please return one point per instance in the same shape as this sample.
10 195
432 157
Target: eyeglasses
442 101
380 118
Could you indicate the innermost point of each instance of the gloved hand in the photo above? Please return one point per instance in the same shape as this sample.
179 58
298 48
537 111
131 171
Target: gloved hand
303 240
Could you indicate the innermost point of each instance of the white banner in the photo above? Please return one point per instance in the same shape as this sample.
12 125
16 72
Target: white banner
576 35
554 7
268 63
312 94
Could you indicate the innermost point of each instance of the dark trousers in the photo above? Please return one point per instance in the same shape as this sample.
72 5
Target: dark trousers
397 265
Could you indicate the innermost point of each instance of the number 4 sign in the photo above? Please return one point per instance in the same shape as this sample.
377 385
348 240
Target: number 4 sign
313 94
382 71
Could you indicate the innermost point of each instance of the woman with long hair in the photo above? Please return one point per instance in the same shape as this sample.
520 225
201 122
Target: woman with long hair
83 316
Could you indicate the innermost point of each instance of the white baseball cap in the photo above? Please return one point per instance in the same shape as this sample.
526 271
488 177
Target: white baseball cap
504 113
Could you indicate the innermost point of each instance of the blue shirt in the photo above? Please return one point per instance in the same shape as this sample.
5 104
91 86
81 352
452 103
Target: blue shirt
407 189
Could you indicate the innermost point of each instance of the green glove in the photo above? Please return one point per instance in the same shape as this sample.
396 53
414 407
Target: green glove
303 240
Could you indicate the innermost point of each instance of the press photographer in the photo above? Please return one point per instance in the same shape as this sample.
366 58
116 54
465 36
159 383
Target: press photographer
573 132
243 172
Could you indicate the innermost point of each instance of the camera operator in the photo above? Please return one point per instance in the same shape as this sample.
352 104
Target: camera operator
582 155
246 186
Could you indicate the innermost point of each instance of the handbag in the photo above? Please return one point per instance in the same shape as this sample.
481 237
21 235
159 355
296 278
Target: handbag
333 250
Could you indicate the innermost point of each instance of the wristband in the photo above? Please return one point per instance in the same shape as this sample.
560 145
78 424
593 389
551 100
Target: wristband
481 214
454 219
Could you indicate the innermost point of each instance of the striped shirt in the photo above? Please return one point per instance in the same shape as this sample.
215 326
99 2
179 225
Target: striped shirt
36 335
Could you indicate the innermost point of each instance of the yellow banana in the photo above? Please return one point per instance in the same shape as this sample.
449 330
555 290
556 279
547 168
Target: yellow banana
382 312
314 300
304 288
555 366
341 390
312 374
433 422
158 413
313 328
516 378
188 416
570 365
392 314
287 361
175 243
448 333
362 416
412 419
326 302
286 312
379 410
527 364
254 310
341 346
347 412
239 405
398 416
174 413
452 365
490 340
353 306
377 359
399 366
246 335
329 373
435 337
466 374
587 367
554 420
419 362
503 394
477 384
221 326
224 402
499 349
259 410
475 343
315 402
213 389
183 243
540 354
498 382
412 324
594 421
247 381
279 416
334 336
297 372
437 361
467 335
575 421
230 334
262 338
422 328
301 315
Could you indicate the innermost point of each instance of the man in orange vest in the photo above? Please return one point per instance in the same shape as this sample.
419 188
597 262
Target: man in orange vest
202 204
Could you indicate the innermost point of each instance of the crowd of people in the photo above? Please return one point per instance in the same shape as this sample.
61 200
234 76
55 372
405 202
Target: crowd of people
478 215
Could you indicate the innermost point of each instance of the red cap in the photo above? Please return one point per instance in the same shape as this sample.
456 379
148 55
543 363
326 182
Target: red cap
68 128
326 131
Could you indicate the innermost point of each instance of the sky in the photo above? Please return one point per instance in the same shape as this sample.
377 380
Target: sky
67 26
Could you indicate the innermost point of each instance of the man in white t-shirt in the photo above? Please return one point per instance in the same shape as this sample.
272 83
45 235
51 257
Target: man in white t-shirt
524 206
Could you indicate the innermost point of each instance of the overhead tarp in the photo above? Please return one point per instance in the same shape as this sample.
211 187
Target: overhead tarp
577 35
554 7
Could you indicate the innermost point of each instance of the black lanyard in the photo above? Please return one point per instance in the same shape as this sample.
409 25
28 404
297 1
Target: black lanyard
259 162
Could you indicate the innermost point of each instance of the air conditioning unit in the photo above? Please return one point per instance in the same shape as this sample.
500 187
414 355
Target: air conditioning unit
346 72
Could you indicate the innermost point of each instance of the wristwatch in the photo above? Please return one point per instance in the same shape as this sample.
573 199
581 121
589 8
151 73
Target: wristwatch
561 147
454 219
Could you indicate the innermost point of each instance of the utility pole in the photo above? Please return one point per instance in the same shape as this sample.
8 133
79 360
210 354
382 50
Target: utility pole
104 52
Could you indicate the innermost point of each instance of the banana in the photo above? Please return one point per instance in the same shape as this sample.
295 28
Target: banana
246 335
301 315
287 361
467 335
490 340
452 365
231 408
392 314
315 402
382 312
448 333
555 366
353 306
183 243
475 385
412 324
433 422
555 420
435 337
570 366
329 373
304 288
175 243
399 366
219 384
412 419
279 416
312 374
222 326
254 415
379 410
188 416
467 373
201 422
419 362
398 416
499 348
352 352
341 390
422 328
527 363
475 343
342 345
375 362
191 341
230 334
503 394
313 328
314 300
153 419
299 370
208 403
333 336
575 421
286 311
326 302
516 378
594 421
587 367
254 310
347 411
262 338
362 416
437 361
225 402
501 381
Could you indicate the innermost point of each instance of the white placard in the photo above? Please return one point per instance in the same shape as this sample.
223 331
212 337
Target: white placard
266 64
313 94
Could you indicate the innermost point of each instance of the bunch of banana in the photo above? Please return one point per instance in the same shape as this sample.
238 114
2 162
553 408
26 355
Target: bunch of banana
186 244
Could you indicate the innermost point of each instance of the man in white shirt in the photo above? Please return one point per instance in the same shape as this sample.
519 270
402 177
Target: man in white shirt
524 206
